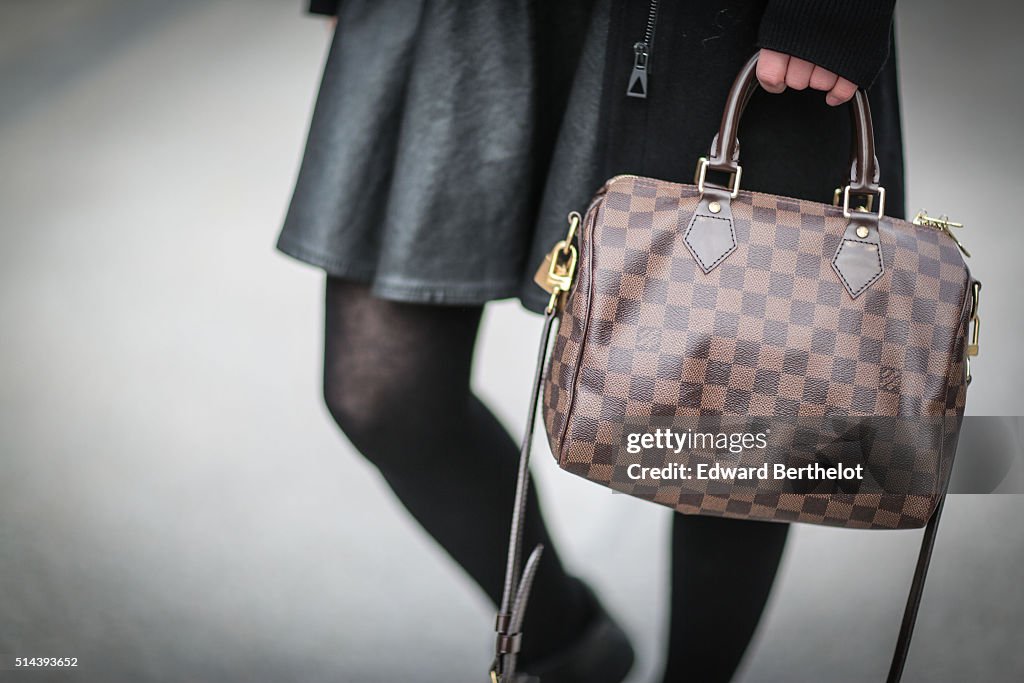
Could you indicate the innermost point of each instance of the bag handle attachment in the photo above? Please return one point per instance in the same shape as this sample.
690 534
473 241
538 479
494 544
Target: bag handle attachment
711 237
725 147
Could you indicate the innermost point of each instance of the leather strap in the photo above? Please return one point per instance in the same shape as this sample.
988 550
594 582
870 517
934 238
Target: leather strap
725 148
517 586
516 590
924 558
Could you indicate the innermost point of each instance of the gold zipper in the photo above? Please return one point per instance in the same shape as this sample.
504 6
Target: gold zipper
942 224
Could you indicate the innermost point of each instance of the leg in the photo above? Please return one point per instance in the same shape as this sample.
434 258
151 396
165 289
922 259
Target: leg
722 573
397 382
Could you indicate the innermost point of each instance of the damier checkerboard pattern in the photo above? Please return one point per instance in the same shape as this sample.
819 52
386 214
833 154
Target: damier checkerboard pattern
770 332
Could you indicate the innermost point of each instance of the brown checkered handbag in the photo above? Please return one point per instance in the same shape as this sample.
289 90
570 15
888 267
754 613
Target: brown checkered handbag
822 339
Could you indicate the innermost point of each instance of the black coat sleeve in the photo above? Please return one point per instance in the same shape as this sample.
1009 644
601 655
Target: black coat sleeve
327 7
848 37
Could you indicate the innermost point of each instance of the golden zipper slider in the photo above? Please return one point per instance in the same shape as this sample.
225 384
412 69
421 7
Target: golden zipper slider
942 224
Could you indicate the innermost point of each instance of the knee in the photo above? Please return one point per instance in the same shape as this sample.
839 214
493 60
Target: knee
358 411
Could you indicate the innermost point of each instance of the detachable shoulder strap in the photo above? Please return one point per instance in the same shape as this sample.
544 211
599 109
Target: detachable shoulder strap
517 586
924 558
516 590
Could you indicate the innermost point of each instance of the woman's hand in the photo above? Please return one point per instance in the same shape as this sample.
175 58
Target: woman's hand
777 71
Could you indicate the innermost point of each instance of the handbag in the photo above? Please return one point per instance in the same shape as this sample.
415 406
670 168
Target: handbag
830 341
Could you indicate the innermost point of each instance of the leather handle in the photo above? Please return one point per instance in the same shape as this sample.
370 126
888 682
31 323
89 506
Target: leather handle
725 147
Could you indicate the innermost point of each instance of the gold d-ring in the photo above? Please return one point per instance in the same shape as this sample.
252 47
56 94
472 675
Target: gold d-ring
734 178
846 202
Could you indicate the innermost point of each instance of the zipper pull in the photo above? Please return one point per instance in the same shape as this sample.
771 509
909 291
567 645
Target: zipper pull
638 78
942 224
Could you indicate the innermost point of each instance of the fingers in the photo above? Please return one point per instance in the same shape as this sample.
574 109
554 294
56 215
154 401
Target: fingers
838 90
823 79
776 71
771 70
841 92
798 75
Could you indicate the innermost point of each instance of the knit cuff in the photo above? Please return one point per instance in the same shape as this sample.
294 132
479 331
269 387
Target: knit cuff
847 37
328 7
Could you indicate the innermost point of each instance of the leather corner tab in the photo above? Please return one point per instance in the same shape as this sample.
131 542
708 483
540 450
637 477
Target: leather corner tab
858 260
710 236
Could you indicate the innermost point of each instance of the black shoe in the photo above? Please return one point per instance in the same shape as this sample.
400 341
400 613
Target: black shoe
602 654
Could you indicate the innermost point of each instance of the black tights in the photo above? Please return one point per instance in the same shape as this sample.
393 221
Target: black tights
397 382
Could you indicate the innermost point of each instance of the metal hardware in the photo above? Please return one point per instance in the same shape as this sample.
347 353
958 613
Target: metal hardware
638 77
714 207
734 178
862 231
642 49
975 325
837 197
942 224
972 345
559 266
562 266
574 219
560 274
881 203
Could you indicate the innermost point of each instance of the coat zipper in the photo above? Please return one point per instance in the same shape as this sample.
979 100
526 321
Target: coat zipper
642 55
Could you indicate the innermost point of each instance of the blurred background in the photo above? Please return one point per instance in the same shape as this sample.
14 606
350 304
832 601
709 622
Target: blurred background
175 503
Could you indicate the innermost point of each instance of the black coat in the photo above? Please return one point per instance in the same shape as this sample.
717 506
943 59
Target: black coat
792 144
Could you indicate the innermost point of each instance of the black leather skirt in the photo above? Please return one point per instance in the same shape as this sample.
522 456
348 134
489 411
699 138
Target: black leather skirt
427 172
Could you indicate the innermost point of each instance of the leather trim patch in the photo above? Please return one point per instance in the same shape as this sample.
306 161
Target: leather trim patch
709 237
858 262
